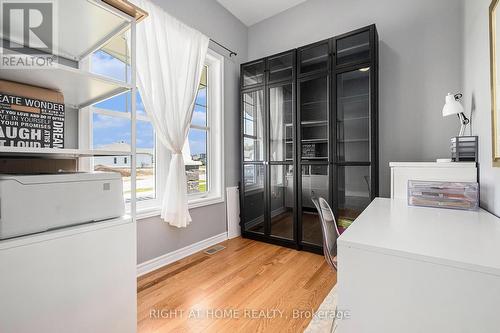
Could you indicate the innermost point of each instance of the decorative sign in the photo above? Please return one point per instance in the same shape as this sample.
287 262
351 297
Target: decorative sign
29 122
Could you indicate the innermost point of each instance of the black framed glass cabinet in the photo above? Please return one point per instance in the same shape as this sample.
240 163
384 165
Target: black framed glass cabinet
309 127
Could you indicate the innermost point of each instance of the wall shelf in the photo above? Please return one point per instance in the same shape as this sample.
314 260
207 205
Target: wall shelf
354 49
354 98
314 140
315 158
58 153
314 123
79 88
83 27
353 140
352 119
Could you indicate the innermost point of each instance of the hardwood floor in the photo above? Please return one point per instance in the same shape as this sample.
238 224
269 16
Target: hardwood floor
248 287
282 226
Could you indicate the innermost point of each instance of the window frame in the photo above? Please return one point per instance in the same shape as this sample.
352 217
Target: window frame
215 148
215 134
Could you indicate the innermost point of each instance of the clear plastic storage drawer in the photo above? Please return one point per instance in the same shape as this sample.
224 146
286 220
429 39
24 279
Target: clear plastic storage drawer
453 195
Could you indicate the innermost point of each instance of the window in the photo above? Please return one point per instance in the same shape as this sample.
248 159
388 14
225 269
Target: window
108 127
196 158
111 131
203 153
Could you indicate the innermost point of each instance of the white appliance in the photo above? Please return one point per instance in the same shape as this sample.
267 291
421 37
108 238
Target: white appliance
36 203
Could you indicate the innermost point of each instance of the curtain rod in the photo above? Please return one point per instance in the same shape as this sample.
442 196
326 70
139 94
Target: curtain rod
231 52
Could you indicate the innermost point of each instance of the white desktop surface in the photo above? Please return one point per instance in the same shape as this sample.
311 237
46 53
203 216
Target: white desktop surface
463 239
416 269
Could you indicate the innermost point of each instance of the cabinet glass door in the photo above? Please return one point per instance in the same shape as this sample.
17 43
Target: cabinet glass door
282 201
253 125
253 73
314 58
254 198
314 182
353 49
314 118
354 193
353 116
280 67
281 120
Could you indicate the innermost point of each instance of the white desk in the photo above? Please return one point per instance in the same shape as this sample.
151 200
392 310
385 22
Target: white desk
413 269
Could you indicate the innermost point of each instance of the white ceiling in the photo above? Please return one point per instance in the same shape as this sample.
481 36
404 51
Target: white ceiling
253 11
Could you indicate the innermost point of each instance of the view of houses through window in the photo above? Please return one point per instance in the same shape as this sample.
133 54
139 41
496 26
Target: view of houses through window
111 131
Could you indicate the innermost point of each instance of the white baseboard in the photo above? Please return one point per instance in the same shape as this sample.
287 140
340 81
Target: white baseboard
158 262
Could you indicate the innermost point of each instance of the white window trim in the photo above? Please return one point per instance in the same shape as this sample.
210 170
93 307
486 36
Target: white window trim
215 153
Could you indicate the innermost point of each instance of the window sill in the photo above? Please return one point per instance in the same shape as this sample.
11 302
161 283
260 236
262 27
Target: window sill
148 212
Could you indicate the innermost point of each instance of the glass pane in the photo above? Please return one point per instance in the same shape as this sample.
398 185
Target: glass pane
281 122
146 173
204 77
145 137
200 104
253 73
281 68
354 48
353 116
199 116
104 64
196 162
314 118
121 103
254 205
146 176
354 188
201 97
282 201
314 58
113 133
110 133
140 105
253 117
315 181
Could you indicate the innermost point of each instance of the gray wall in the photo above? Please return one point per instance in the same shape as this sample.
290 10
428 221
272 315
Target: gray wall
478 96
70 128
155 238
420 61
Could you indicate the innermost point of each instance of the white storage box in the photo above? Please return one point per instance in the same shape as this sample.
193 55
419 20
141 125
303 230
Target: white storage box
36 203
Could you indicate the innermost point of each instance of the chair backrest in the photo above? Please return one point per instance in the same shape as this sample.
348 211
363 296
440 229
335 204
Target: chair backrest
329 229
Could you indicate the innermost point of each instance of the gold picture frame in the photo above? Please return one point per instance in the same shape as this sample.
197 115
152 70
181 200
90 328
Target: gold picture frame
495 82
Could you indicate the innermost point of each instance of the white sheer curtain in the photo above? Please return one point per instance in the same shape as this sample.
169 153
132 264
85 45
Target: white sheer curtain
170 59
